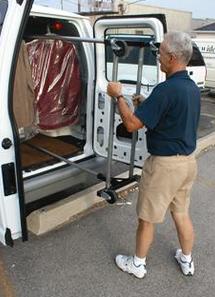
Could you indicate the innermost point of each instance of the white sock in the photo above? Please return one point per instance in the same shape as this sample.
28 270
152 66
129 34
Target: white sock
186 258
139 261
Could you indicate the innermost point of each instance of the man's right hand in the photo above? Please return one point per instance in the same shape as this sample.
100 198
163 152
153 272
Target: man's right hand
137 99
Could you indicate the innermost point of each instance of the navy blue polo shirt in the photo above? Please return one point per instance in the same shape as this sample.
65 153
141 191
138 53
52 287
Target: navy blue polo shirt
171 115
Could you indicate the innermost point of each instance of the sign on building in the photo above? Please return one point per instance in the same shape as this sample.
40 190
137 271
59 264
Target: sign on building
102 6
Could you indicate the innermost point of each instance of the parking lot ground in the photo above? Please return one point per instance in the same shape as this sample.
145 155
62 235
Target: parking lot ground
207 117
78 259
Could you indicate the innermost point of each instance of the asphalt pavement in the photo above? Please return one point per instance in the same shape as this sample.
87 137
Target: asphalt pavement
207 118
77 260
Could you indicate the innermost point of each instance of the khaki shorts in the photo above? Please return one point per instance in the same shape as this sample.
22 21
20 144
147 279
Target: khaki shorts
166 182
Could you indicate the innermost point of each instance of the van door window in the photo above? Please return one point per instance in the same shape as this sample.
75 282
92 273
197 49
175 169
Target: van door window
196 59
128 63
196 67
3 10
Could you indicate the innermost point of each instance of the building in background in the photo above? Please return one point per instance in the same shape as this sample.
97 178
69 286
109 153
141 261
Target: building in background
93 7
198 23
176 19
207 31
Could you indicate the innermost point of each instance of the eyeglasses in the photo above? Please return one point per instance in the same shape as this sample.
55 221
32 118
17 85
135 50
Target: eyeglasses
158 55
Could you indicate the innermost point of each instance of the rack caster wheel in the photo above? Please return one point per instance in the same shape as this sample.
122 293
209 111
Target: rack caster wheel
109 195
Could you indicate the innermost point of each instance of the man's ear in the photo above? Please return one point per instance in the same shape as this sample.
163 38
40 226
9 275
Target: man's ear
172 57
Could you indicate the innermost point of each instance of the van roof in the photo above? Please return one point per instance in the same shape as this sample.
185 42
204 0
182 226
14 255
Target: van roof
45 11
204 39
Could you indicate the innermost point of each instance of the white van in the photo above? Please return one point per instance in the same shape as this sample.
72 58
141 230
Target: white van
207 48
53 105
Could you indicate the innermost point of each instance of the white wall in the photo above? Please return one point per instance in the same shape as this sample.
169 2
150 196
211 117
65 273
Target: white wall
176 19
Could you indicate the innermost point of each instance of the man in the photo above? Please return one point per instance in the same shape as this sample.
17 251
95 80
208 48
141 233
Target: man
171 115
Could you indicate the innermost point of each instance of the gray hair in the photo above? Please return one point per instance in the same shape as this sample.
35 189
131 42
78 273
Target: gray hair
180 44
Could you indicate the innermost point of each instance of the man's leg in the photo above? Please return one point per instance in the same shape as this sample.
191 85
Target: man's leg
136 264
144 238
185 231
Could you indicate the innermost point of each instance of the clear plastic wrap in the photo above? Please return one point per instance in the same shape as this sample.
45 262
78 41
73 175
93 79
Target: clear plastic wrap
57 83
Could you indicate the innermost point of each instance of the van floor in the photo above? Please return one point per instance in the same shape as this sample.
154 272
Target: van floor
64 146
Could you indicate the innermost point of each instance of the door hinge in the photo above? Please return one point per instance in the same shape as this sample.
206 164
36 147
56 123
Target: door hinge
8 238
9 179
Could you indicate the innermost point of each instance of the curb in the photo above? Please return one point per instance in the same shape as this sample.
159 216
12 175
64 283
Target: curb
54 216
204 143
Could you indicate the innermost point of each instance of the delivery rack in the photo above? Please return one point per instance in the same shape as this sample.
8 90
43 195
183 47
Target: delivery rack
119 48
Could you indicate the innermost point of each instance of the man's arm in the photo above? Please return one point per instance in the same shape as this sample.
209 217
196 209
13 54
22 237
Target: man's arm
131 122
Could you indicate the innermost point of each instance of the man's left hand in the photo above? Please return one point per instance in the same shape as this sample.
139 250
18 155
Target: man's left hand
114 89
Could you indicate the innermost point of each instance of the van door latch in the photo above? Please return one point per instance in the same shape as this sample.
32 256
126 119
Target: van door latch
9 179
19 1
8 238
6 143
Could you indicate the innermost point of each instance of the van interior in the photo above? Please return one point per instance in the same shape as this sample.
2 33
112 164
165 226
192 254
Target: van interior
49 100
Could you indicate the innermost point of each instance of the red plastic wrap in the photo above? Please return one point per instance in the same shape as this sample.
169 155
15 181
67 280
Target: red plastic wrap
57 83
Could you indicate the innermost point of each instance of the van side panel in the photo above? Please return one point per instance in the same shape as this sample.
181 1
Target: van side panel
207 49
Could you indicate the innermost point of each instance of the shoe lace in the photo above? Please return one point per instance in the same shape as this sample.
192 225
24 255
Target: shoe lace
129 260
186 262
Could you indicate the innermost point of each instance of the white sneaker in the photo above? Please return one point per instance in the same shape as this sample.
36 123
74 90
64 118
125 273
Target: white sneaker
126 264
186 267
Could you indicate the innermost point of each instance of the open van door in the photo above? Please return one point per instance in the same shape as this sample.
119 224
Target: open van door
12 212
133 32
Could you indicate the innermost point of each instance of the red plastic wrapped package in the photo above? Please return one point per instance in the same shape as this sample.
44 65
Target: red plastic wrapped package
57 82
